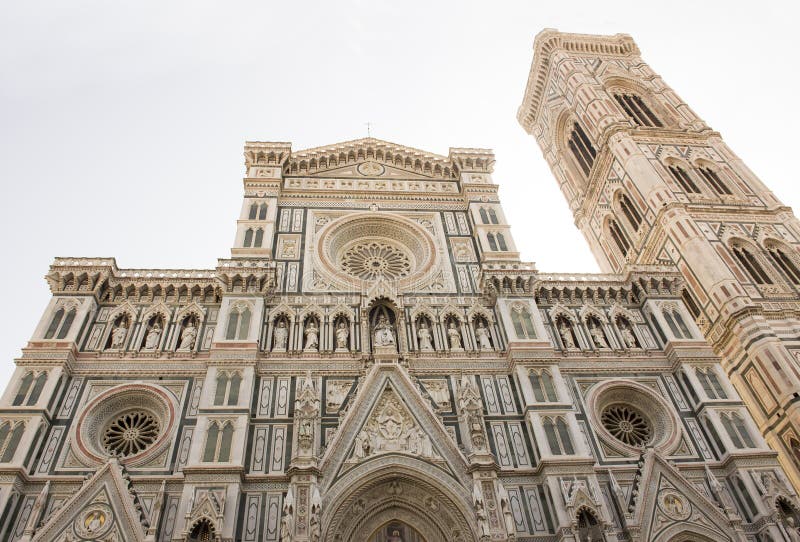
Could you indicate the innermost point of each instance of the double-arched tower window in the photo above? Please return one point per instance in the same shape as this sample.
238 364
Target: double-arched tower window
253 238
218 442
258 212
60 324
30 388
238 323
637 110
581 147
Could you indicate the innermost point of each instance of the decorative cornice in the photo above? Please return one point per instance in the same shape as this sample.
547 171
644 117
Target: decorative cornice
549 41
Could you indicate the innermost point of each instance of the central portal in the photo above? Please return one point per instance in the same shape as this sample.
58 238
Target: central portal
396 531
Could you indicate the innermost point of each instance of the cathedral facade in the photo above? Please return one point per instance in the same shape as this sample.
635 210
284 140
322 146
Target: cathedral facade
374 362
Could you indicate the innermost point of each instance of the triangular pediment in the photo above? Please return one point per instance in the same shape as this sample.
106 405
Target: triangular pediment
669 504
388 416
102 509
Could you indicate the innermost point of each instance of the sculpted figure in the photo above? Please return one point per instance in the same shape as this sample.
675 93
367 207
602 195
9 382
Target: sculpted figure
281 336
118 335
505 507
342 333
384 333
628 336
597 335
566 335
424 337
188 336
482 334
312 336
455 336
151 342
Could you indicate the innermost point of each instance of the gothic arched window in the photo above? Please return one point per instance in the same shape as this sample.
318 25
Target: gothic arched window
259 240
227 392
10 436
683 179
248 237
523 323
493 216
24 388
737 430
543 389
691 304
262 212
558 437
54 323
630 211
713 179
784 263
637 110
711 384
619 237
253 211
233 325
589 528
492 241
62 333
582 148
749 262
484 215
38 386
750 509
501 241
218 442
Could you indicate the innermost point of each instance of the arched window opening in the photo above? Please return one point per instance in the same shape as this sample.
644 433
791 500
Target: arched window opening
24 388
492 242
262 212
691 304
711 384
225 444
619 237
493 216
253 211
62 333
637 110
233 325
38 386
564 436
248 238
689 387
9 440
259 240
202 532
748 505
713 179
582 148
54 323
785 264
683 179
501 241
685 333
737 431
222 389
233 392
671 323
712 431
484 215
543 389
212 438
657 327
589 528
244 324
523 323
749 262
630 211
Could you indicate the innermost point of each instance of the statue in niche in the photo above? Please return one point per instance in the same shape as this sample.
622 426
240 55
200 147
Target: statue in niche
482 334
153 336
118 335
596 331
627 334
287 518
342 334
565 330
480 510
395 536
188 336
280 337
312 336
424 336
454 335
505 508
384 332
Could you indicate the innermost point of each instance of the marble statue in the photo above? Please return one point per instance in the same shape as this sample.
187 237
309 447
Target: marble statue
628 336
384 333
565 331
505 508
482 334
153 336
342 334
280 337
596 331
424 336
312 337
188 336
118 335
455 336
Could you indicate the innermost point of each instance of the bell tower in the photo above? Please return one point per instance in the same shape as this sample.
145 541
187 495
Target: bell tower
649 183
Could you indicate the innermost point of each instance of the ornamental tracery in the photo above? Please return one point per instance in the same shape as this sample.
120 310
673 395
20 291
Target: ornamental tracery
369 261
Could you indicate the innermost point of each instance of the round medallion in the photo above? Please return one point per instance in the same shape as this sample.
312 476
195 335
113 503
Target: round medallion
369 261
131 433
94 522
674 505
371 169
627 424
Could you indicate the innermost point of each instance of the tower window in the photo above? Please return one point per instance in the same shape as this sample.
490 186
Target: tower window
749 262
10 435
713 179
737 431
558 437
711 384
262 212
248 238
619 237
637 110
501 241
484 215
227 392
543 389
691 304
492 241
630 211
582 148
253 211
785 263
492 216
218 443
683 179
259 238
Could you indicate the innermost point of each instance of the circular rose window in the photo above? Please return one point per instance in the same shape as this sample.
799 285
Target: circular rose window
627 424
368 261
132 421
131 433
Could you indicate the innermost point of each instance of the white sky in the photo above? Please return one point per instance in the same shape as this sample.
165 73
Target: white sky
122 123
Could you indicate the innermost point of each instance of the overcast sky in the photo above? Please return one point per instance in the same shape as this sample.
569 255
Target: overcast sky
122 123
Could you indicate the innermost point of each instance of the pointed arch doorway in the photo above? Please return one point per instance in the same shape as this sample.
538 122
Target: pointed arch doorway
396 531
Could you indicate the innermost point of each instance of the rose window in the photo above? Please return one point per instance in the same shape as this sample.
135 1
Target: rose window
131 433
368 261
627 425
